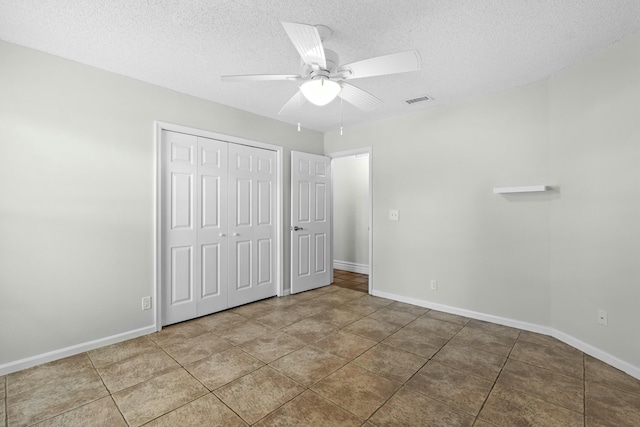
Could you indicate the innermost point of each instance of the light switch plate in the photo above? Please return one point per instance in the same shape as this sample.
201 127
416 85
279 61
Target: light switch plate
394 214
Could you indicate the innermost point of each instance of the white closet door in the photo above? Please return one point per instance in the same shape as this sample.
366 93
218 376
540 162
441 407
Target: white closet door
218 225
252 210
310 221
180 260
212 237
195 244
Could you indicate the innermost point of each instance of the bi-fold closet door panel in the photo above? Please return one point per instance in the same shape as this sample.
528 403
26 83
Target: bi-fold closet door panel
194 246
212 223
252 228
210 263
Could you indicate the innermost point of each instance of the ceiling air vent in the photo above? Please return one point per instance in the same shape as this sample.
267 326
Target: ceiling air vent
422 98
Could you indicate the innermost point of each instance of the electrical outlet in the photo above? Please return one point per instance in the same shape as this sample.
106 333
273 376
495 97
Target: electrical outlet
434 285
146 303
602 317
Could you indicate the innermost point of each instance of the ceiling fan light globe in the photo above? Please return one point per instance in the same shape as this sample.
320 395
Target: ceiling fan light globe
320 91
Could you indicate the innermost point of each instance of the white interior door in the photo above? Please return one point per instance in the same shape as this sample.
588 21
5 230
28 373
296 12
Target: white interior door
252 228
179 258
310 221
211 283
195 226
219 217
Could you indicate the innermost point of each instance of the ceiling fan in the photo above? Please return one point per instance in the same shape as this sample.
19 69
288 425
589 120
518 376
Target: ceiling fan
322 76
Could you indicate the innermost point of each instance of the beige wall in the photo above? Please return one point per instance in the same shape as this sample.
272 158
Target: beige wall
549 259
76 199
595 224
438 167
77 195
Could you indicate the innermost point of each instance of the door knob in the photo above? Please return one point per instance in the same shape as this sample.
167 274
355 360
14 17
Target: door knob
236 234
296 228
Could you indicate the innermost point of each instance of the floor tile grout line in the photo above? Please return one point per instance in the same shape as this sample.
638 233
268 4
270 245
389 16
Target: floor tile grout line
305 388
493 386
309 388
556 372
209 391
404 384
415 373
142 382
75 407
398 390
547 369
5 388
340 406
583 380
351 360
584 390
191 401
541 397
98 373
247 374
432 359
280 406
494 383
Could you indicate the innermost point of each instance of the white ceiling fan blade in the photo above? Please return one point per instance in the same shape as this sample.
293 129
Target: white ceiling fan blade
293 105
307 41
358 97
260 77
381 65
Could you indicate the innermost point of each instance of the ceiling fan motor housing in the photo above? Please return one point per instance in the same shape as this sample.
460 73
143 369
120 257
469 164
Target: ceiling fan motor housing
324 32
333 61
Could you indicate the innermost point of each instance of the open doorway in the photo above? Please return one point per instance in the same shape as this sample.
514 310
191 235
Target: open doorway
352 225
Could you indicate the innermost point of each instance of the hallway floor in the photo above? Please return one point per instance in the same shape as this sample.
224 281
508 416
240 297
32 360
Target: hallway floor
349 280
331 356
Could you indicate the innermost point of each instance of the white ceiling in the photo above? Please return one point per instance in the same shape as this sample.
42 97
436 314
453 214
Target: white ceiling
468 47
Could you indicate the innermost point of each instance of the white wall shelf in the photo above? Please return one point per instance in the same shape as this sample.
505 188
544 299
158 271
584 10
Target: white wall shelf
520 189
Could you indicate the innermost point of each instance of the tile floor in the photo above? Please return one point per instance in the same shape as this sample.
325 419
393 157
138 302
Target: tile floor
329 357
349 280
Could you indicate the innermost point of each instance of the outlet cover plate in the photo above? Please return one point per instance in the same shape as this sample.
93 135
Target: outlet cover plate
603 317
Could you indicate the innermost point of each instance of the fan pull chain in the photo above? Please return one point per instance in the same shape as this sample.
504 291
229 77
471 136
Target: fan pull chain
341 117
299 108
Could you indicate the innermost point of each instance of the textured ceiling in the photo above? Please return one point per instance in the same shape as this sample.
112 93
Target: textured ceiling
468 47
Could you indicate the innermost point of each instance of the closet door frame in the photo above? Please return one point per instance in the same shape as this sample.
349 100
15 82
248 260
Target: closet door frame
157 244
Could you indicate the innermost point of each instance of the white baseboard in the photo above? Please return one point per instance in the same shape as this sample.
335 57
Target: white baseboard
39 359
354 267
595 352
624 366
607 358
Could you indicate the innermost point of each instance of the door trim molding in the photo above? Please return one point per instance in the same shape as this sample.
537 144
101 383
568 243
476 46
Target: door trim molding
159 126
362 150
